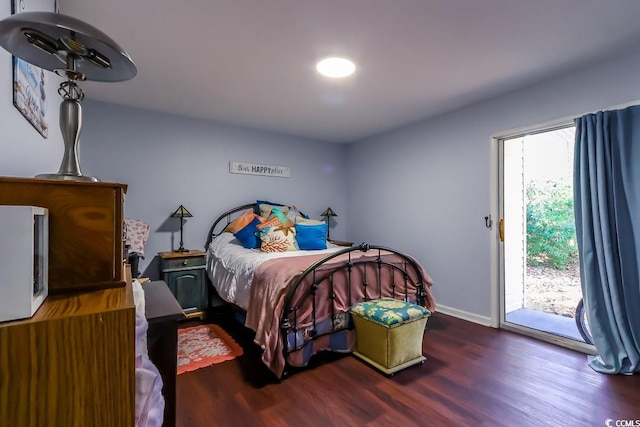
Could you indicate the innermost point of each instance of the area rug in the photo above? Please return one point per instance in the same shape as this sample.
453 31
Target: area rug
204 345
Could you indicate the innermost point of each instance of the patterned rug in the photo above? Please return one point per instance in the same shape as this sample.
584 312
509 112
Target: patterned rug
204 345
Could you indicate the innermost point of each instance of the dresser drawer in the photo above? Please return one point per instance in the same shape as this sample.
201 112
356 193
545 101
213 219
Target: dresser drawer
182 263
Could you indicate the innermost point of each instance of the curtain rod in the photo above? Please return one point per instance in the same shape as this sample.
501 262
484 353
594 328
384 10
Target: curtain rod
556 124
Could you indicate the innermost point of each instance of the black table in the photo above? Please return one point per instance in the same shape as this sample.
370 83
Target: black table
163 313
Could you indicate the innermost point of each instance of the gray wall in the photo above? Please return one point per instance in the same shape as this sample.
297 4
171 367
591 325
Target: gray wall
23 151
168 160
433 179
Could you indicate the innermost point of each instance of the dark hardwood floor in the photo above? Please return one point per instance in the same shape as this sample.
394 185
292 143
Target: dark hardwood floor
473 376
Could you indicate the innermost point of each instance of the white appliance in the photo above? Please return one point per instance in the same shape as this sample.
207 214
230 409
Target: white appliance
24 260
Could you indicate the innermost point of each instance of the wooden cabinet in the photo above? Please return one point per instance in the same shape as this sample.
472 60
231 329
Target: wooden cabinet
86 248
72 364
184 273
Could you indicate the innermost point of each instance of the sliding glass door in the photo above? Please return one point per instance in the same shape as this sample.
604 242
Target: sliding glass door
540 280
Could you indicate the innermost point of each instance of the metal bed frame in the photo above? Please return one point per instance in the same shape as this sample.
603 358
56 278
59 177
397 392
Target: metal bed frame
319 281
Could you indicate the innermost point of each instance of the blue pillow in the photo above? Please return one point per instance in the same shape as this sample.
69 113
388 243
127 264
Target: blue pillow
311 237
248 236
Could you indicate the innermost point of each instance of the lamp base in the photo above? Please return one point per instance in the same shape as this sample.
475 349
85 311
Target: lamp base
59 177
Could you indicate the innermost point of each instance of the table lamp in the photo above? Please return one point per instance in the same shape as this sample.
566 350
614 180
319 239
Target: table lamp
181 213
74 50
328 213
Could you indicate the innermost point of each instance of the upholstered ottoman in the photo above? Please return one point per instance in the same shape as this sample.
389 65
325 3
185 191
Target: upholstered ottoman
389 333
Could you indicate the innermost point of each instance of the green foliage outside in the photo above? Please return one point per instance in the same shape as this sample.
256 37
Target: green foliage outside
551 235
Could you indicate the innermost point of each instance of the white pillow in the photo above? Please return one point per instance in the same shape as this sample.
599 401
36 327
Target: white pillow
305 221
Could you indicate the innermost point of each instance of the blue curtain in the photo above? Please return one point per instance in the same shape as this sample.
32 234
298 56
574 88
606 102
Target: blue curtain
607 211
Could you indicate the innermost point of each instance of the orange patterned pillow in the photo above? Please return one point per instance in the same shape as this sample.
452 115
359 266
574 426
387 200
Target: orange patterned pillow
242 221
271 222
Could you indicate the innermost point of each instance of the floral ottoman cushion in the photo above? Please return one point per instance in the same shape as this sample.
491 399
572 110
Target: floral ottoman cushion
389 311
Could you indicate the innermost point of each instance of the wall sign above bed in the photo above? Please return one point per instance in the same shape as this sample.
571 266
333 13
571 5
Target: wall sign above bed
256 169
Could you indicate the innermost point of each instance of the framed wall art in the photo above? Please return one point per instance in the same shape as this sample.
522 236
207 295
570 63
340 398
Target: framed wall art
29 95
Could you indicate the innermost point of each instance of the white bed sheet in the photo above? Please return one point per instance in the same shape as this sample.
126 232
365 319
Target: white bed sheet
230 266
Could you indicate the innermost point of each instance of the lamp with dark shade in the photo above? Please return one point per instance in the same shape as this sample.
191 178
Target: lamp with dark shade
76 51
181 213
328 213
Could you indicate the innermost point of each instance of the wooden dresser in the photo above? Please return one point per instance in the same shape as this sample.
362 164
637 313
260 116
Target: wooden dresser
72 364
85 229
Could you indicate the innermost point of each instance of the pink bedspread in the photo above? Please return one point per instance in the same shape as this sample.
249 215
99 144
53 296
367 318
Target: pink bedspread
272 279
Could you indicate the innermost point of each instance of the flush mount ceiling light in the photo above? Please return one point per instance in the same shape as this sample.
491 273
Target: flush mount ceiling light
336 67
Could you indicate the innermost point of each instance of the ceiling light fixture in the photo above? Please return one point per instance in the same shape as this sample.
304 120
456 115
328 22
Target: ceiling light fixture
336 67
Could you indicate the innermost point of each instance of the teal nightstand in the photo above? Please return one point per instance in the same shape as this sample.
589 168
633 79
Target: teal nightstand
184 274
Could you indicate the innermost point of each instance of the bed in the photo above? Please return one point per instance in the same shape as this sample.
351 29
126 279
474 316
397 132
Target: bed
297 301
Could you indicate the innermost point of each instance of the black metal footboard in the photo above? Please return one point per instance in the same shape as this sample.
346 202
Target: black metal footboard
317 304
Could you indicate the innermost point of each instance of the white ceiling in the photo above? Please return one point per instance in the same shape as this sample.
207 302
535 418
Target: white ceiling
251 62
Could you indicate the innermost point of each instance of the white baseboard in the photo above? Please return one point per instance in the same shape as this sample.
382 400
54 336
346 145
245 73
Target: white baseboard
464 315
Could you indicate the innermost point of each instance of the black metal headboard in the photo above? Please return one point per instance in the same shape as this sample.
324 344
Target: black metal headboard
229 216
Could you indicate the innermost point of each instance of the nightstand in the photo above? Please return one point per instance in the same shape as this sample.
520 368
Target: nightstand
184 274
341 242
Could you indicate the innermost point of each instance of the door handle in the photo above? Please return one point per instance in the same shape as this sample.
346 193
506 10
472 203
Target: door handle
501 229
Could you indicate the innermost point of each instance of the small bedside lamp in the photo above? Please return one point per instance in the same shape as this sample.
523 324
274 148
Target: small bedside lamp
328 213
181 213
